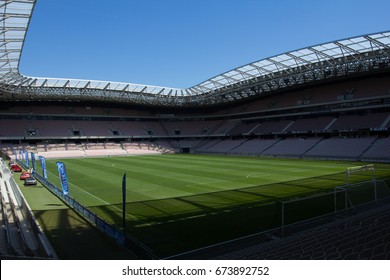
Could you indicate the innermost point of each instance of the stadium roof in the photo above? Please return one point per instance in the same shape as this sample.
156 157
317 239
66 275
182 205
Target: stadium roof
14 19
326 61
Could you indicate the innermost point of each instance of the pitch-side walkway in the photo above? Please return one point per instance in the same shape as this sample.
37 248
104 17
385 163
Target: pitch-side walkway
71 236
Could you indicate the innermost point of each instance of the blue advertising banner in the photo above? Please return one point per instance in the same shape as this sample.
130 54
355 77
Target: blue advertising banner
43 165
63 177
33 161
26 158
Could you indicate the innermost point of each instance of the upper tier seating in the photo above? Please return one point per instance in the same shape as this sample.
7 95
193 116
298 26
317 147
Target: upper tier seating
272 126
359 122
10 127
312 124
53 128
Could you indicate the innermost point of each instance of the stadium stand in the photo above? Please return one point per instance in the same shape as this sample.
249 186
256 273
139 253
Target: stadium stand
359 122
206 145
272 126
11 127
311 124
224 146
154 128
20 236
243 128
127 128
142 148
87 128
291 147
254 147
45 128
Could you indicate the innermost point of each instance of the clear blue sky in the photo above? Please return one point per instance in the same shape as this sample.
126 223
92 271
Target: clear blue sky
180 43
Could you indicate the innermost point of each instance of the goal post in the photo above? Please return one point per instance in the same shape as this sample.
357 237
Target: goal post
361 189
362 170
367 171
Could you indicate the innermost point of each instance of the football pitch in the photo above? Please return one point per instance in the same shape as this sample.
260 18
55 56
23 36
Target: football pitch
177 203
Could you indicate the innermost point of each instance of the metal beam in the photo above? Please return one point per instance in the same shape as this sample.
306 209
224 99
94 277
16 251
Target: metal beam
329 58
262 70
107 86
277 63
303 61
350 50
379 44
245 74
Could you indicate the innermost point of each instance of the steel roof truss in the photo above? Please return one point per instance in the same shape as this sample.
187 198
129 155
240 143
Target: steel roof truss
349 50
230 79
107 86
33 81
126 88
329 59
245 74
379 44
263 70
303 63
44 84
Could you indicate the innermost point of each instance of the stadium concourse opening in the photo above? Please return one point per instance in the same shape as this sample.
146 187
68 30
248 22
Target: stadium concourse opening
220 161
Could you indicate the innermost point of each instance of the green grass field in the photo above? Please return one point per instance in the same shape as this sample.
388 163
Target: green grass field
177 203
